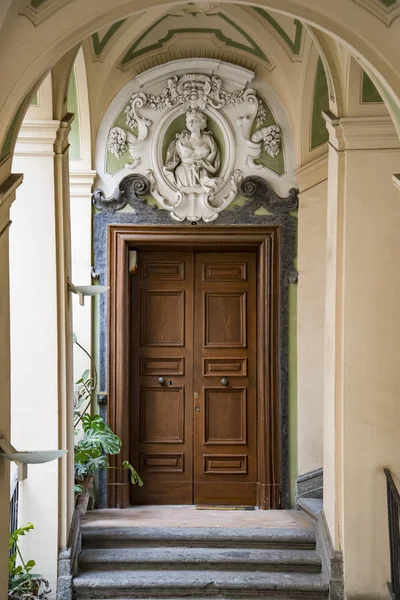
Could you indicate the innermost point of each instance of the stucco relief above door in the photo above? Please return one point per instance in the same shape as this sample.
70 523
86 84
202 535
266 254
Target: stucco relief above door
194 129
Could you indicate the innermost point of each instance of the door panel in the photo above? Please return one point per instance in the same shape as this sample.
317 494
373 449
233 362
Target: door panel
225 445
193 324
162 347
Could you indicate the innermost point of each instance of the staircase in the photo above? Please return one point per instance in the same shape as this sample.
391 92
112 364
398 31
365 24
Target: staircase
174 563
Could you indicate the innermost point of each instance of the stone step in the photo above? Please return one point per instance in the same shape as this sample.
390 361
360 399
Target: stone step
180 558
122 537
311 506
109 585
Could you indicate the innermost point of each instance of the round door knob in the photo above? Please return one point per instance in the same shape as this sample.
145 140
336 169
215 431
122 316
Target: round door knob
161 380
224 381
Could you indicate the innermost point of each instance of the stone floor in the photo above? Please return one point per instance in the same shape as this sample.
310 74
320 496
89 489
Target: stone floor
189 516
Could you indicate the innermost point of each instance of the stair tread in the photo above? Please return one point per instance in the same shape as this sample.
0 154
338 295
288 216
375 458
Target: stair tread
311 506
161 534
198 555
156 579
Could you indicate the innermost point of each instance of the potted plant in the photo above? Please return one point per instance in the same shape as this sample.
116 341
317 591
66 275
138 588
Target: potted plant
91 454
22 583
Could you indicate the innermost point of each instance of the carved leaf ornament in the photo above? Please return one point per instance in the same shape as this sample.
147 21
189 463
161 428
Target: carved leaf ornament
192 185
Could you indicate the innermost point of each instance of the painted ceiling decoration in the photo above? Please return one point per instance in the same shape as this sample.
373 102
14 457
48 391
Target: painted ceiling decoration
38 11
195 136
291 41
385 10
100 41
209 19
209 23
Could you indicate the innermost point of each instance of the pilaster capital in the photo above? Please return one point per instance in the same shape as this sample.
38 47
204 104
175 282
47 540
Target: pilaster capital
7 196
37 137
396 180
312 173
81 183
361 133
61 143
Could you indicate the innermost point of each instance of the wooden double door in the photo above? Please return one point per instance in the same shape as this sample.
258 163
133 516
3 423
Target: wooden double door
193 380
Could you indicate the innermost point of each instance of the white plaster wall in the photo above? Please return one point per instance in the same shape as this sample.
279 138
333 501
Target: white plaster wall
81 239
34 387
311 321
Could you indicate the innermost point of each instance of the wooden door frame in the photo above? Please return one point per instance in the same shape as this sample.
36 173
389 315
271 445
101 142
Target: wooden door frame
267 242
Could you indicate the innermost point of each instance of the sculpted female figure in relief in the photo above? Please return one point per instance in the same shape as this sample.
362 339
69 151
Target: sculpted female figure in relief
193 159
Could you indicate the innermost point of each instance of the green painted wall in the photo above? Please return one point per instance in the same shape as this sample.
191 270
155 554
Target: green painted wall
73 107
319 132
369 93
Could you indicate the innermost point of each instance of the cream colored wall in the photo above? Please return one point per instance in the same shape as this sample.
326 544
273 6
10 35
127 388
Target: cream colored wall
311 265
371 407
362 348
34 348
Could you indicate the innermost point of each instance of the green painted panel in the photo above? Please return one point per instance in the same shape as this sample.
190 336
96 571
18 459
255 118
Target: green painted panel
100 44
274 163
369 93
319 132
35 100
295 44
135 52
73 107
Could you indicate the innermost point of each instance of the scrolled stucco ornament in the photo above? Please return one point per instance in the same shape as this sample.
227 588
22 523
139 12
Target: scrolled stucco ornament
194 172
269 138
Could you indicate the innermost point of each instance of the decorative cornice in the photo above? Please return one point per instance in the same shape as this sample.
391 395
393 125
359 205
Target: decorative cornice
81 183
361 133
386 14
37 137
312 173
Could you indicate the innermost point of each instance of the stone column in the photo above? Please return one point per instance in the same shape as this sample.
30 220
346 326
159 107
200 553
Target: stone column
7 196
362 346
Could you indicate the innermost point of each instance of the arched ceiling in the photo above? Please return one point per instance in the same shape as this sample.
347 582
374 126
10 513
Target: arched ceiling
37 33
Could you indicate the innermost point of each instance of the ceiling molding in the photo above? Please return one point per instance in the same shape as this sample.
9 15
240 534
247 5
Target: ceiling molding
385 10
38 11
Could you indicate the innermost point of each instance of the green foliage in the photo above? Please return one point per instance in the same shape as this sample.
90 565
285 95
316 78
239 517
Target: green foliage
135 477
22 583
98 441
91 451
